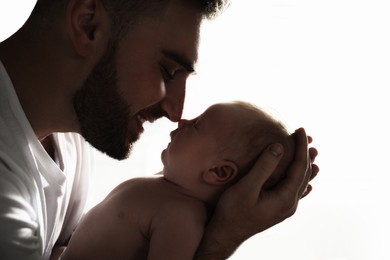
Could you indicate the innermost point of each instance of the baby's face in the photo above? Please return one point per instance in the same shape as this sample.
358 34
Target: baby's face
194 144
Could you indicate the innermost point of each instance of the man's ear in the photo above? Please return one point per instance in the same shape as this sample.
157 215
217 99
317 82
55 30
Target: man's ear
220 174
88 26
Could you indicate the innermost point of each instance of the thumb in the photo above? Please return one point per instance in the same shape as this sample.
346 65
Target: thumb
265 165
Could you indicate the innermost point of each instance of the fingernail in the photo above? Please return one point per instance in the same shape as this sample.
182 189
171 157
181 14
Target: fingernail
276 149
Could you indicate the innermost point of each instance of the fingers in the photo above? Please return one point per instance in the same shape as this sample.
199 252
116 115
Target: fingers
313 153
297 177
252 183
309 188
312 170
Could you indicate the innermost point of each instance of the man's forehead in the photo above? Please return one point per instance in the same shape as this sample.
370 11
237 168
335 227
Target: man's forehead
180 26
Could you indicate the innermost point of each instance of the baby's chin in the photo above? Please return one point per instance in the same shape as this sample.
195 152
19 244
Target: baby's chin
162 157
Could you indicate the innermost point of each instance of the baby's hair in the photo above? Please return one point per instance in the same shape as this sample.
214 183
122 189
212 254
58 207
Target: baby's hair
256 133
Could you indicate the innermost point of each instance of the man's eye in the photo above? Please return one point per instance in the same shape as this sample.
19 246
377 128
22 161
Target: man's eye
167 75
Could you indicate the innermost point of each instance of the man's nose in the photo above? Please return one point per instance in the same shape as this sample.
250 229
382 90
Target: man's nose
183 122
173 101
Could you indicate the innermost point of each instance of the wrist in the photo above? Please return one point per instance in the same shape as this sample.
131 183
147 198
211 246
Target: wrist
216 244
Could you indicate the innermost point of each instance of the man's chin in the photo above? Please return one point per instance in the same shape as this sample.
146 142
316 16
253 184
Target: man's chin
117 154
114 151
122 152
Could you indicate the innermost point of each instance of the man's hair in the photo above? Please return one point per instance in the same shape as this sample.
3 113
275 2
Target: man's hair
126 13
254 135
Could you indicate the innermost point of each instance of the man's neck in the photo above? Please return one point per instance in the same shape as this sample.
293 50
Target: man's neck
40 84
47 143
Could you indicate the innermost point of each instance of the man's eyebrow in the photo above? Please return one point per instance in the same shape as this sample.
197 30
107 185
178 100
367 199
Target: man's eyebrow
189 66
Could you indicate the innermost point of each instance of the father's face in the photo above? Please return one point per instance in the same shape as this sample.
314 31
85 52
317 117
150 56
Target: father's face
141 77
103 114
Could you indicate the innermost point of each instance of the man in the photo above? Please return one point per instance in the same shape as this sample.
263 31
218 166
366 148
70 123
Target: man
97 70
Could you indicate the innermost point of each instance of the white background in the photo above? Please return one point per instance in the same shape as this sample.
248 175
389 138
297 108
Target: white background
324 65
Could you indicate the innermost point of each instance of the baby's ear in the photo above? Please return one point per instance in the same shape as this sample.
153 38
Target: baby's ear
220 174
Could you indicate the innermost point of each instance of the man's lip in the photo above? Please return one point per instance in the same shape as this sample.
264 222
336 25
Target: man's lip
142 119
140 122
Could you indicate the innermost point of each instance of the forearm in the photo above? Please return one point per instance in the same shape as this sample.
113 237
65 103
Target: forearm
215 244
212 249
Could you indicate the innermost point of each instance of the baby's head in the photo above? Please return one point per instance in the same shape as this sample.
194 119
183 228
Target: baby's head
247 133
212 151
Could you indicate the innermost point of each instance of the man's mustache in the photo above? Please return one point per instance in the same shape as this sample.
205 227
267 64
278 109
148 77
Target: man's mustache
153 113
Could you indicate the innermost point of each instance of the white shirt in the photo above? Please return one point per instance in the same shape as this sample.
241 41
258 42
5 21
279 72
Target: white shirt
41 200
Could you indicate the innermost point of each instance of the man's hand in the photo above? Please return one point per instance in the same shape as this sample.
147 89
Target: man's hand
246 209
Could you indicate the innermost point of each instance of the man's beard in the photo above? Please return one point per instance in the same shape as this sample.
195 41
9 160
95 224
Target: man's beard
103 114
